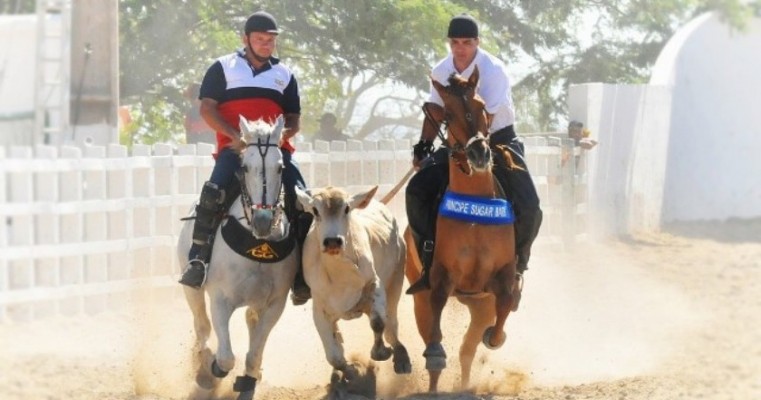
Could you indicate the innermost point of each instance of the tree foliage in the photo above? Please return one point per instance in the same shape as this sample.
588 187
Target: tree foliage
343 49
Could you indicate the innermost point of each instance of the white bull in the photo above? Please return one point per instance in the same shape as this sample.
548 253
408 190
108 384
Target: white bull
353 259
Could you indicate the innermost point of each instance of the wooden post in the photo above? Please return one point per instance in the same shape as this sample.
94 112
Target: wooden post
21 233
71 270
569 197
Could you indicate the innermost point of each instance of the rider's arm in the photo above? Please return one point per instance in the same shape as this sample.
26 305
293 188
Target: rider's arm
292 125
291 109
214 119
212 91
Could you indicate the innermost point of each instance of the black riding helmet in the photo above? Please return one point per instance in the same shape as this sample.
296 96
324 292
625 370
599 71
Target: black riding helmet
261 21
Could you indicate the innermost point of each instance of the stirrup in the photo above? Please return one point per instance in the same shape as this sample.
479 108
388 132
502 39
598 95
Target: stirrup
191 268
517 294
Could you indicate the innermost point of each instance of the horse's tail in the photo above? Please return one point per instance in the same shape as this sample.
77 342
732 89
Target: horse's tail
390 195
506 152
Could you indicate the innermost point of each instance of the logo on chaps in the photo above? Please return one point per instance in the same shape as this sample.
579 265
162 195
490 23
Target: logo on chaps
263 252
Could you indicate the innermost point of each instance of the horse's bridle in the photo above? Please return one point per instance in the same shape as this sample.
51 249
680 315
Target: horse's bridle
457 151
248 205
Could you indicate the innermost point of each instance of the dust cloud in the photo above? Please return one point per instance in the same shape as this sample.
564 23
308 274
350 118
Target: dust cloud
605 315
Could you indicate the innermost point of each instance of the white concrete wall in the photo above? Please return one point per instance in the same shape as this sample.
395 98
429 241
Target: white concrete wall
714 160
627 169
18 35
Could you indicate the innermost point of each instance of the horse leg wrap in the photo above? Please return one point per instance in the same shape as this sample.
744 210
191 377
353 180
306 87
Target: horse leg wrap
216 371
244 383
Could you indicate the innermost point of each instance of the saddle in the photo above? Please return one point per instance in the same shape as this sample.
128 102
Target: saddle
242 242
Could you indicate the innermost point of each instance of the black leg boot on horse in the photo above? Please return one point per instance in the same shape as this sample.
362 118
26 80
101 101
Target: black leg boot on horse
207 220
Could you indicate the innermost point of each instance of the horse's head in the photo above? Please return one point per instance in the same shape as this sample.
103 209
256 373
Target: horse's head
466 121
262 166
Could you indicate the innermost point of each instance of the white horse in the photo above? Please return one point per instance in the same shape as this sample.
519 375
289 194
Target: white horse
234 280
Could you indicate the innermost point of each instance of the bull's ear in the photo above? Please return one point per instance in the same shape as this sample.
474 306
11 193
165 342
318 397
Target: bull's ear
361 200
305 199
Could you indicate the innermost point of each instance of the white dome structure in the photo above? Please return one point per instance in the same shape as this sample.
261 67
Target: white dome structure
713 167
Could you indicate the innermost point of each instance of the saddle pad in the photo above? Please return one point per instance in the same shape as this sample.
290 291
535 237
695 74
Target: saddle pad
475 209
242 242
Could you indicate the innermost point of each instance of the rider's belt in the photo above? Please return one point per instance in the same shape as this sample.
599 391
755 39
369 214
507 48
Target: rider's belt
505 134
475 209
242 242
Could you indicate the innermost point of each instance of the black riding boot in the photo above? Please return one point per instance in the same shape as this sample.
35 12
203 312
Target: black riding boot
301 293
425 252
206 222
526 229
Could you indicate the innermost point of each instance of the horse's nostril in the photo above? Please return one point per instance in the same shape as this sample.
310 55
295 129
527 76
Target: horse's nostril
333 242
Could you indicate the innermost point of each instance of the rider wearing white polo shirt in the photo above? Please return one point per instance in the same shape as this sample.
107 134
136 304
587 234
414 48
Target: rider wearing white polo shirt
425 188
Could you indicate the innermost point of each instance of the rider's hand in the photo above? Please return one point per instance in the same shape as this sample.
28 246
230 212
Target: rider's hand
420 151
237 143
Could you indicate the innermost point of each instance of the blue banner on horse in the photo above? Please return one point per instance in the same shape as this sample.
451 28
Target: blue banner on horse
479 210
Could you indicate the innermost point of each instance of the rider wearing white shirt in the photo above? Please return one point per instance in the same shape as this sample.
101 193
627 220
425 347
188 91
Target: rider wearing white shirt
496 94
425 188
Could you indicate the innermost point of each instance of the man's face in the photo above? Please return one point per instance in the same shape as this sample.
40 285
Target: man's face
463 49
262 43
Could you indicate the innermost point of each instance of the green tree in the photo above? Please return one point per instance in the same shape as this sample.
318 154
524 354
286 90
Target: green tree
342 49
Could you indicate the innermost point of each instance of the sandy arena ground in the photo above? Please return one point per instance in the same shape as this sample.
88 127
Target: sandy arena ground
660 316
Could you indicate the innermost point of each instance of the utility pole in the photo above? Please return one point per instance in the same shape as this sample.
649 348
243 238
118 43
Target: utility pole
94 84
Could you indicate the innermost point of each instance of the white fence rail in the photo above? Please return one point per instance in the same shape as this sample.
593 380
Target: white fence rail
81 226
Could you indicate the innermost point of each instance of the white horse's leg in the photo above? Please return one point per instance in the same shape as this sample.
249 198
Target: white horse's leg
200 354
220 317
197 302
258 332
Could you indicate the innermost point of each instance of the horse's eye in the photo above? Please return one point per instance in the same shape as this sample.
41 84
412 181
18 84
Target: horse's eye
280 169
316 213
244 168
346 210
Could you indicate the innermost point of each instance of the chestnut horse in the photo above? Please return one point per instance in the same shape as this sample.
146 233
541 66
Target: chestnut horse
473 261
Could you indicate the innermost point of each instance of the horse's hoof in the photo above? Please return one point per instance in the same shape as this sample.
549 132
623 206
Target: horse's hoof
217 371
488 334
402 364
204 377
381 353
205 380
435 363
